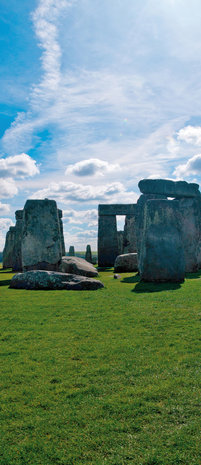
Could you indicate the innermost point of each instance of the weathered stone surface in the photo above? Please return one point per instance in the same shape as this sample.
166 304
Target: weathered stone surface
17 249
162 253
78 266
107 240
129 236
51 280
63 251
71 252
126 263
8 249
120 239
190 209
175 189
88 254
116 209
41 243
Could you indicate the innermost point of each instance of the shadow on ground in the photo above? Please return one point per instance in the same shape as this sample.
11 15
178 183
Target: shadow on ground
5 282
108 268
142 286
196 275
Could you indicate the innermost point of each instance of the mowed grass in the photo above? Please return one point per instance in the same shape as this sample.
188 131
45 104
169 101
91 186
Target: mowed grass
102 377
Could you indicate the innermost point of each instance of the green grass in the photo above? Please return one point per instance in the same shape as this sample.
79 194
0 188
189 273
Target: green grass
102 377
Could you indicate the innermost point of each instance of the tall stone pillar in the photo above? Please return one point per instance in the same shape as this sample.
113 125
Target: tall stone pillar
17 252
129 235
60 213
107 240
9 247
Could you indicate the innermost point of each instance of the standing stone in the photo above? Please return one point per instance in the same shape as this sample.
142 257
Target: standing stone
129 235
175 189
61 232
162 253
71 252
190 209
9 247
88 254
120 239
17 251
41 243
107 240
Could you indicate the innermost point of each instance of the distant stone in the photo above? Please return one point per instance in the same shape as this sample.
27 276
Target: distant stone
41 243
52 280
175 189
9 248
126 263
88 254
78 266
63 251
17 251
71 252
162 252
117 276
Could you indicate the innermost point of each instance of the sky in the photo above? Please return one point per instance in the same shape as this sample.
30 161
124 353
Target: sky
96 95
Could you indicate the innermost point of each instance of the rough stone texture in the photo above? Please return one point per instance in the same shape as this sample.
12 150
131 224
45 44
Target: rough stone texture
51 280
78 266
63 251
88 254
120 239
117 209
126 263
8 249
129 236
191 232
139 218
107 240
175 189
162 253
41 243
17 250
71 252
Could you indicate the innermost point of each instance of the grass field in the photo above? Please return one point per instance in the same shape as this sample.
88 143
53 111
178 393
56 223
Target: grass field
102 377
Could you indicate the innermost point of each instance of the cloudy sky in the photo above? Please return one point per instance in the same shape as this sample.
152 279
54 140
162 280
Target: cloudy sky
96 95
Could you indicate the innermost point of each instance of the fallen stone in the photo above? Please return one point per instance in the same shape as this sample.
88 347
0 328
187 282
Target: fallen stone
78 266
117 276
175 189
52 280
126 263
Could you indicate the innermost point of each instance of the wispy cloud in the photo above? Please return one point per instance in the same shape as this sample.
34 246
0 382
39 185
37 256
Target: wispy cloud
4 208
8 188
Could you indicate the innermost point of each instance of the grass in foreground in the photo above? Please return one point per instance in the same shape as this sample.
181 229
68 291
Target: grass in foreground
101 377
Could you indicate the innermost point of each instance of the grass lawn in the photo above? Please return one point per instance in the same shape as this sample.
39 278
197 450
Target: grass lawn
101 377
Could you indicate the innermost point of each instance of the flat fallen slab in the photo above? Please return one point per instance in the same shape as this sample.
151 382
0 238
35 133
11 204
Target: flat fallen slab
79 266
53 280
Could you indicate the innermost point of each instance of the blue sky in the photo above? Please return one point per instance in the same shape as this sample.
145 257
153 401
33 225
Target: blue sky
96 95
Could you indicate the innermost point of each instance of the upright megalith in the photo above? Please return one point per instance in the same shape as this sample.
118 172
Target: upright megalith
120 239
88 254
41 241
17 250
162 252
71 252
60 213
9 247
129 235
175 189
190 210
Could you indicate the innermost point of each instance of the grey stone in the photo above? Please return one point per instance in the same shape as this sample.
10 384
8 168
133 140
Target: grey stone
41 243
88 254
129 235
162 253
78 266
17 250
51 280
107 240
117 276
175 189
71 252
63 251
190 209
116 209
126 263
8 248
120 240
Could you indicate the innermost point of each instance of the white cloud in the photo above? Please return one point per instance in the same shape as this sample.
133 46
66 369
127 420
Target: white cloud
21 165
192 167
4 208
8 188
91 167
68 191
80 217
190 135
5 223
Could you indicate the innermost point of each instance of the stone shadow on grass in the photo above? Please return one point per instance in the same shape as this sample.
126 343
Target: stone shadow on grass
142 287
5 282
196 275
131 279
107 268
